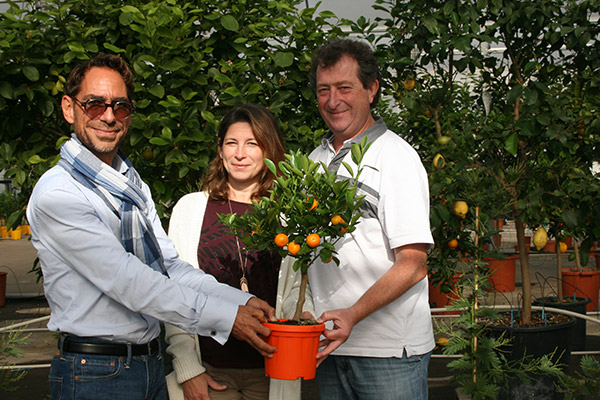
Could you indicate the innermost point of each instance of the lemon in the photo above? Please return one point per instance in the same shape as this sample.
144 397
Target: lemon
409 84
443 140
439 162
540 238
461 208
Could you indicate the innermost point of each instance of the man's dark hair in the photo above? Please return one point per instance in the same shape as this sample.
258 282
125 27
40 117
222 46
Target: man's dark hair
73 84
331 52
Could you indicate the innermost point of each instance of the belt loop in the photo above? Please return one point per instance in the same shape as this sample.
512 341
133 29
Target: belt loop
61 342
129 356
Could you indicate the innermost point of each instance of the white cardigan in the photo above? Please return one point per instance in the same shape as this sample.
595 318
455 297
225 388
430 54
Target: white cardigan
184 231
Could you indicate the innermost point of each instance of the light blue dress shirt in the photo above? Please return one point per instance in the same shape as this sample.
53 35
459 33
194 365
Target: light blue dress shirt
96 289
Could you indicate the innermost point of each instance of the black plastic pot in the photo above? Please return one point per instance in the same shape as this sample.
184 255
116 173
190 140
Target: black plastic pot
578 305
535 342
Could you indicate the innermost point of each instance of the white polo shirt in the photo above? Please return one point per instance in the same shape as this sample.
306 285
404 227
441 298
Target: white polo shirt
395 213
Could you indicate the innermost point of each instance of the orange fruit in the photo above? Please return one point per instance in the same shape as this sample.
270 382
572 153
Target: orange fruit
281 239
314 205
453 243
563 247
343 230
293 248
313 240
336 220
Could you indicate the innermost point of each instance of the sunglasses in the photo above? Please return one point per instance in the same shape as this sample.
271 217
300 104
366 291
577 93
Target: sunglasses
94 108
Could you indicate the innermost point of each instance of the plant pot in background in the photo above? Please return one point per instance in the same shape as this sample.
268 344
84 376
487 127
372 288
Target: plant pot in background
3 288
297 347
438 299
3 231
582 284
536 342
15 234
502 273
578 333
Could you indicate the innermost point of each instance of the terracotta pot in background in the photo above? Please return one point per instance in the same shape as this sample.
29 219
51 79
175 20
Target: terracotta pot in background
582 284
502 273
437 299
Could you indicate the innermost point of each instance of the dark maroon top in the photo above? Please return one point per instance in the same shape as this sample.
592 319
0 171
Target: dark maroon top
218 255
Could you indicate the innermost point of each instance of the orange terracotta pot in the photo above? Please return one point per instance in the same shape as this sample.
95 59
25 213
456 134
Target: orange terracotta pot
582 284
438 299
502 274
297 347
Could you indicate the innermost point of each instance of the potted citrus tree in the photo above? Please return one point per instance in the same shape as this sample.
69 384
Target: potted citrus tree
307 211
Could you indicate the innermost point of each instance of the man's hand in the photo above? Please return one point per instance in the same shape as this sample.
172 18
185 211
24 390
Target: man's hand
248 326
268 311
197 387
343 321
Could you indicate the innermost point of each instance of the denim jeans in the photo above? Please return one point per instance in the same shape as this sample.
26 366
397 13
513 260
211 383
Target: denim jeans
369 378
76 376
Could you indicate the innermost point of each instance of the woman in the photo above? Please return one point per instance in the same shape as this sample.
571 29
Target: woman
237 175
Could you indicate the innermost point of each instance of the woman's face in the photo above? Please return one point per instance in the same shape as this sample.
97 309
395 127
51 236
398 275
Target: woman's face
242 156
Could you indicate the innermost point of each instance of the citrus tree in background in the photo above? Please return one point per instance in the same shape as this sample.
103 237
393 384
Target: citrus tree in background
191 61
529 60
308 210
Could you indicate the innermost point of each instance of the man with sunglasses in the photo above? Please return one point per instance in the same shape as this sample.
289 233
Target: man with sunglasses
110 272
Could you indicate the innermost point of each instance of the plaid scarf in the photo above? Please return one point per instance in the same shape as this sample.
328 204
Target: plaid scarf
122 194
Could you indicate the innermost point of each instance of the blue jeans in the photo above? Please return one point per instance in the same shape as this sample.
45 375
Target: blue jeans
85 376
369 378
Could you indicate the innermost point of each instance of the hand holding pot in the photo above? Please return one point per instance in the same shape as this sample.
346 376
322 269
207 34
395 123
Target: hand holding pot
248 326
343 321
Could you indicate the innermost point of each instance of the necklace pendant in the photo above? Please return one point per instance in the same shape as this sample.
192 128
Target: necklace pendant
244 284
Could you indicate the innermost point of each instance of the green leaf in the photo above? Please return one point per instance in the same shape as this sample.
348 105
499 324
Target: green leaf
157 91
511 144
514 94
230 23
113 48
271 166
284 59
6 90
159 141
431 25
173 64
31 73
35 159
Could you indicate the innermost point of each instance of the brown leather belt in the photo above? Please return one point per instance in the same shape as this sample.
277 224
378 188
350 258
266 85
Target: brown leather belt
110 349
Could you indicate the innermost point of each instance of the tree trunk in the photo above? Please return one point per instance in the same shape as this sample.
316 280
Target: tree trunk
301 297
559 290
524 258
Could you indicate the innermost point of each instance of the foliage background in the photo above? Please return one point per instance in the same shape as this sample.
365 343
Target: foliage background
534 140
192 61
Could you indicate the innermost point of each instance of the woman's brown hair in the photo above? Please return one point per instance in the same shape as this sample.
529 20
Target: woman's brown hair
267 134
